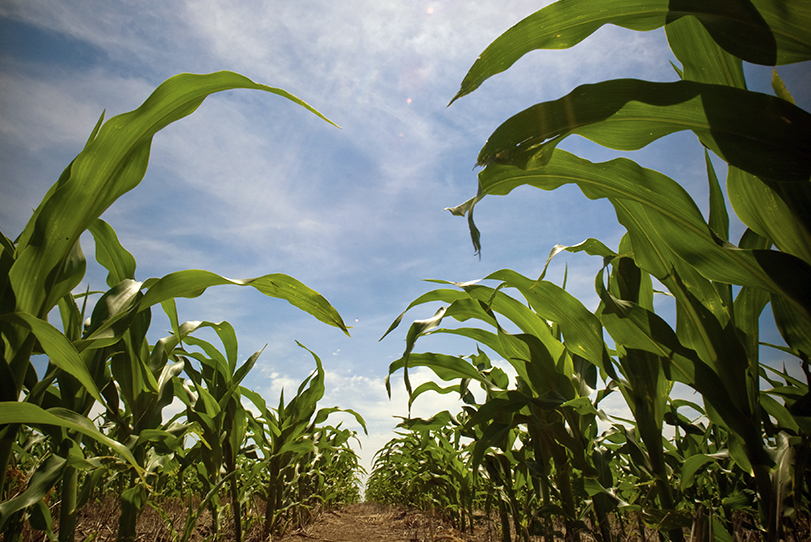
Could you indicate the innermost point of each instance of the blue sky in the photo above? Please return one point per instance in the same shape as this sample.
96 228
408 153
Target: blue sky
251 184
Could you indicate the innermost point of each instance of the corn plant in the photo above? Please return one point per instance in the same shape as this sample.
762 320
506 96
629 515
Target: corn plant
427 466
714 347
555 378
288 439
40 270
336 467
215 408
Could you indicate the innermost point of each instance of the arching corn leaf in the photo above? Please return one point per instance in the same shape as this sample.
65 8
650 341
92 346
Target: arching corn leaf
759 31
772 140
111 164
652 204
59 349
193 282
31 414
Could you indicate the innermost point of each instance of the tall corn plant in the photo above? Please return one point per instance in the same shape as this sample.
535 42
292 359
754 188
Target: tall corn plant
765 141
215 408
288 438
40 269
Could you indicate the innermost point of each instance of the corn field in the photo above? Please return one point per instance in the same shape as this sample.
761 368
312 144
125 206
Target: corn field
536 454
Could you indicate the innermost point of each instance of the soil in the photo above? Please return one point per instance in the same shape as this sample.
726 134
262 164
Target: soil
365 522
376 523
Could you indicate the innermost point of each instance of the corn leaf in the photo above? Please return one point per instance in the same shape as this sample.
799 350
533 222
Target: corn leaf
776 211
31 414
110 254
702 59
581 330
652 204
41 483
772 141
759 31
58 348
111 164
193 282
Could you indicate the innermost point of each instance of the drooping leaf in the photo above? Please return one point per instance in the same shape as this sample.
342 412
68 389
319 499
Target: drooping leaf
581 330
193 282
30 414
653 204
60 351
113 314
702 59
113 163
758 31
46 476
776 211
444 366
323 413
110 254
719 218
691 467
779 87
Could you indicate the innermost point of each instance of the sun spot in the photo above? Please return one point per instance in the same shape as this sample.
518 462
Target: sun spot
429 11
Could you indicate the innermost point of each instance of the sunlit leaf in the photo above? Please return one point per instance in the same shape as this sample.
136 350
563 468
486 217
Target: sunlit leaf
192 283
27 413
60 351
113 163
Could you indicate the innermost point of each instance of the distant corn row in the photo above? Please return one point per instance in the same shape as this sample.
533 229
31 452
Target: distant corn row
739 455
214 454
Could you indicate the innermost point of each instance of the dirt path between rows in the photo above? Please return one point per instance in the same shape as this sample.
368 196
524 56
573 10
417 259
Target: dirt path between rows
375 523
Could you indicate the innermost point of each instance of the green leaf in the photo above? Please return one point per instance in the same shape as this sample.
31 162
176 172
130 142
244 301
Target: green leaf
193 282
772 141
777 211
794 329
775 409
691 466
593 247
761 31
653 206
780 89
444 295
323 413
46 476
749 305
719 218
111 164
434 423
635 327
444 366
702 59
58 348
110 254
113 314
31 414
581 330
431 386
